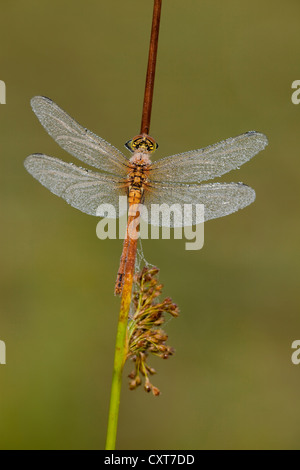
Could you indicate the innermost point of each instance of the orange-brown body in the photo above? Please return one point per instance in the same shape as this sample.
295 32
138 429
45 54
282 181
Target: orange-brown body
137 181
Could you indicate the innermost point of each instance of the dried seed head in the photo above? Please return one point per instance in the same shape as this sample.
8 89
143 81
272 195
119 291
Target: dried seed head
132 385
138 380
144 334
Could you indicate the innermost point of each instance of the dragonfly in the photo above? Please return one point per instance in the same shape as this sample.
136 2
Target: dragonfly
174 179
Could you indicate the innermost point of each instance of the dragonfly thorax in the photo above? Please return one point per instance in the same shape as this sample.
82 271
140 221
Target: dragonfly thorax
140 157
137 177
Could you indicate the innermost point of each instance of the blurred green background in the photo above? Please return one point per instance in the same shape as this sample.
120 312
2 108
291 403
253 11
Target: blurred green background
223 68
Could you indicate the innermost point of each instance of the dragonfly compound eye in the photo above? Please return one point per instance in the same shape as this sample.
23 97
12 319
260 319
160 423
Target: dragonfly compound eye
142 142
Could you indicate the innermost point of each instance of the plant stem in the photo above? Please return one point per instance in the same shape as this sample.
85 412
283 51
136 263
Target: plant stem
121 348
149 87
120 357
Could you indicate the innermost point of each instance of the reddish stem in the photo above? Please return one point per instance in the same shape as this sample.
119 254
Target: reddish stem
148 96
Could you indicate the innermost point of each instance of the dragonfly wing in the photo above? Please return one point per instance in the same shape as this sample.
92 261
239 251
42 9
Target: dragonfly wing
207 163
219 199
83 189
75 139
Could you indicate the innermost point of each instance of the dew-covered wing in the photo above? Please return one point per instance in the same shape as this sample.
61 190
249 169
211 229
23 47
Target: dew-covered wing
180 202
78 141
207 163
83 189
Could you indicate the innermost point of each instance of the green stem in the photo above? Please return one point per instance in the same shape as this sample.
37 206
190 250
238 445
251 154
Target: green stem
120 358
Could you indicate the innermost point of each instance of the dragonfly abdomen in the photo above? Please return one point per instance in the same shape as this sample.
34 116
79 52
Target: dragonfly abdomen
135 196
136 182
127 261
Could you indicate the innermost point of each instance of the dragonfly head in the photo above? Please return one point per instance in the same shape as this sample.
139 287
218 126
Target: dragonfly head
142 142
